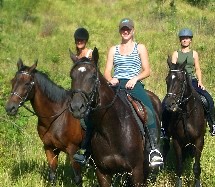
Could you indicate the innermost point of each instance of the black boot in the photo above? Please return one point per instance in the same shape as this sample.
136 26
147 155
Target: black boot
155 157
211 121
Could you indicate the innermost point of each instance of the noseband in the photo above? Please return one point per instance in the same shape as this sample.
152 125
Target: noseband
23 99
180 99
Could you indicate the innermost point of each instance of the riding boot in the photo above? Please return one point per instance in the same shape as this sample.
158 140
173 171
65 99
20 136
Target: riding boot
83 153
211 121
155 157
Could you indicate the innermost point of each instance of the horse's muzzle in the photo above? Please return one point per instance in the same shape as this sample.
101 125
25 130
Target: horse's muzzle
76 111
11 109
171 105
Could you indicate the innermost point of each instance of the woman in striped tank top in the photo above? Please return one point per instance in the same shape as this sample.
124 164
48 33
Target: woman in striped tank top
131 65
194 71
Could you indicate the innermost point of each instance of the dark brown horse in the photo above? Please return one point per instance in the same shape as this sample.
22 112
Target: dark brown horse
117 143
57 128
183 118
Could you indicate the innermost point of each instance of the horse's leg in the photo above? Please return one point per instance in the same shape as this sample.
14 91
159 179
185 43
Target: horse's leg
52 157
178 154
137 176
104 180
196 165
75 166
165 140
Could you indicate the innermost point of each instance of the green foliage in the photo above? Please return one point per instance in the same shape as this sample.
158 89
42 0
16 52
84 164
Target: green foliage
43 30
199 3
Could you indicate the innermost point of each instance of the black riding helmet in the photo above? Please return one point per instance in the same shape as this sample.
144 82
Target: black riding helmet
82 34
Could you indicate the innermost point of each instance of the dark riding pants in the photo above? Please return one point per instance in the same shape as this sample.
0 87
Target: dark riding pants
204 93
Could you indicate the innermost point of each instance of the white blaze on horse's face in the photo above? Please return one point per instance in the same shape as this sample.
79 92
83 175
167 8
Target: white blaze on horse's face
173 76
82 69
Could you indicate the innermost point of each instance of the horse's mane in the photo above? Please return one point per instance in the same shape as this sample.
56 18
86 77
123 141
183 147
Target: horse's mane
50 89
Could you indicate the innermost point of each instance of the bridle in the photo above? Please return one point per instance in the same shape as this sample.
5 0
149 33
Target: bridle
90 97
180 100
24 98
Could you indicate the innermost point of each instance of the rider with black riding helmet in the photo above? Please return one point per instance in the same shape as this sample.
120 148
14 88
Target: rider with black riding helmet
81 37
193 68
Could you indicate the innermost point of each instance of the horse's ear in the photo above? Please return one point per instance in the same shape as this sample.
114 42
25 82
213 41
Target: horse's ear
19 63
73 56
169 61
33 66
95 55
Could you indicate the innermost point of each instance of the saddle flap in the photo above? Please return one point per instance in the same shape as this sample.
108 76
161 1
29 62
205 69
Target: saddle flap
139 108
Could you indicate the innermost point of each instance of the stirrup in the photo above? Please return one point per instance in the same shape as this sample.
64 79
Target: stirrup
158 160
80 156
213 130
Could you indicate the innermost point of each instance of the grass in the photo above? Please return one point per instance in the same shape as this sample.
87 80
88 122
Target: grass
43 30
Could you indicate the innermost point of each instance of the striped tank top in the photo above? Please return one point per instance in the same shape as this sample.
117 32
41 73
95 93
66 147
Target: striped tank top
126 66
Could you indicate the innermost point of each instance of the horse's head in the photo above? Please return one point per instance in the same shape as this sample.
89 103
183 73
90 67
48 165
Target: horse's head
176 80
22 85
85 81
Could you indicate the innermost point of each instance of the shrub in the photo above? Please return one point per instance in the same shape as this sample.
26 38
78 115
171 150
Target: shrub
199 3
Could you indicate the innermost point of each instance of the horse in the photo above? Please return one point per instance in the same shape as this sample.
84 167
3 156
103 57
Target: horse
57 128
183 119
117 143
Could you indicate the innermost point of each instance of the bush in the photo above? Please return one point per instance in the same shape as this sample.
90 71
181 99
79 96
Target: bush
199 3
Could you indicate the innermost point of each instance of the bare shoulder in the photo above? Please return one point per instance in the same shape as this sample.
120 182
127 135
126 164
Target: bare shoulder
175 53
141 48
112 49
195 54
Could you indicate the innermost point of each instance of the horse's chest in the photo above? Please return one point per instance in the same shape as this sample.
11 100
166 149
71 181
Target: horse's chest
49 137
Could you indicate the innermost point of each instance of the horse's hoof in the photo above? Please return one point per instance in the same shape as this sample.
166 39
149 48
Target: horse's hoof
78 181
178 182
197 183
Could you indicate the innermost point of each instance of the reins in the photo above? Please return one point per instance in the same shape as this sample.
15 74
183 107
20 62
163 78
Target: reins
52 116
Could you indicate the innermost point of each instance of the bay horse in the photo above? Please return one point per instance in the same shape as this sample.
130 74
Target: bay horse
117 143
57 128
183 119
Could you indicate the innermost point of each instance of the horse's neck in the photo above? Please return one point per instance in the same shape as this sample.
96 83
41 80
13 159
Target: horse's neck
106 93
42 104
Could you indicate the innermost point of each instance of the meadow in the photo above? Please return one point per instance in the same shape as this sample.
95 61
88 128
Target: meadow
43 30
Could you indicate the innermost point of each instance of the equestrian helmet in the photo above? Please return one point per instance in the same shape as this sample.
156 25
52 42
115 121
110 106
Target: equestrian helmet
82 34
185 32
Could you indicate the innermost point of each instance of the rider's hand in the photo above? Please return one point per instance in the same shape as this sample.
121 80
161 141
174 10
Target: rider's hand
114 81
131 83
201 85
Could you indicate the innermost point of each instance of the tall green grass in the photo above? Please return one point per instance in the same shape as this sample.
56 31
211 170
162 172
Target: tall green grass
43 30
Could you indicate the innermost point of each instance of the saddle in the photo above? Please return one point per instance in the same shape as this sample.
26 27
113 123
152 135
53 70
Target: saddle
139 108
